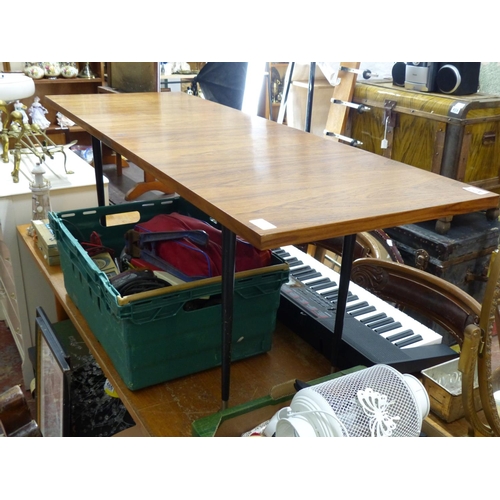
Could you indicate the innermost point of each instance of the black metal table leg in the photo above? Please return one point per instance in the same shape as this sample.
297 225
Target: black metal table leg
228 271
345 276
99 182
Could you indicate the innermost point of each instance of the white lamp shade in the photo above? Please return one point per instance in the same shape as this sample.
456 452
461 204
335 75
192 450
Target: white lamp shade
15 86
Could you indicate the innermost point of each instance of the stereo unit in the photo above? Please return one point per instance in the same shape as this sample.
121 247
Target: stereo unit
455 78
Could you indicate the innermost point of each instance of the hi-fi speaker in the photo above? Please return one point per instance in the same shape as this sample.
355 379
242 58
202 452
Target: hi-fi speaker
458 78
398 74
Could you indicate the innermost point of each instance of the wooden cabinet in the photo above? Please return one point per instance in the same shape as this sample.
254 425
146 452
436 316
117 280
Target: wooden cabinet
59 86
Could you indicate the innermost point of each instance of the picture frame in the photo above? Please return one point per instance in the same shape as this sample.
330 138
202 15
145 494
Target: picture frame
53 378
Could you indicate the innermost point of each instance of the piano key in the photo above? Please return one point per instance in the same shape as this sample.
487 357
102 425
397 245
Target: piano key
362 311
400 335
331 289
387 328
321 286
317 280
373 317
380 322
352 307
409 341
298 269
307 275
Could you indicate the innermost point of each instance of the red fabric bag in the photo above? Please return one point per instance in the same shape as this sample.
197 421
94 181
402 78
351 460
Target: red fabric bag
189 259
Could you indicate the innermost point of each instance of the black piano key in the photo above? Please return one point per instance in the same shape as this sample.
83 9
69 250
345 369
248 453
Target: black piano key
302 269
320 286
334 296
400 335
280 252
388 328
373 317
319 279
308 275
352 307
299 269
312 274
409 341
363 310
380 322
293 262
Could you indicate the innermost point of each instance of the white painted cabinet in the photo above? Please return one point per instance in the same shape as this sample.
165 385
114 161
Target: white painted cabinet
22 287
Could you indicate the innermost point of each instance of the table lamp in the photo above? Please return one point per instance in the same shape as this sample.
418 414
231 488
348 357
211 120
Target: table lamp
13 86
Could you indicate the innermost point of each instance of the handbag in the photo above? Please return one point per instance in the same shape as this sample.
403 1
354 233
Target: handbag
188 248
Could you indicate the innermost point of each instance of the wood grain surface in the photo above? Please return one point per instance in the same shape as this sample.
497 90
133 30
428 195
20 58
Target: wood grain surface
243 169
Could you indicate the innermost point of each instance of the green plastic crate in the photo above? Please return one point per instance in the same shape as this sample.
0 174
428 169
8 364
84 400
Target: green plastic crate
157 336
235 421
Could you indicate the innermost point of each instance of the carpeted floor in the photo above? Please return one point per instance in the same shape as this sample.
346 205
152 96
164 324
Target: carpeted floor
10 362
10 367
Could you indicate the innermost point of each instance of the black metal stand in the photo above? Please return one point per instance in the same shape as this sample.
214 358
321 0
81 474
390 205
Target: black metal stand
345 276
228 271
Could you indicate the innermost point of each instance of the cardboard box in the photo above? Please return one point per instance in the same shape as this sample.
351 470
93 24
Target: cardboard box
46 241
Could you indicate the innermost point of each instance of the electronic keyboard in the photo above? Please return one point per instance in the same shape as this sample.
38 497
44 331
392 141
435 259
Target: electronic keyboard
374 331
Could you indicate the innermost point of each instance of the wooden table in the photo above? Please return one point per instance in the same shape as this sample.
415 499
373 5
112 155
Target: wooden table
271 184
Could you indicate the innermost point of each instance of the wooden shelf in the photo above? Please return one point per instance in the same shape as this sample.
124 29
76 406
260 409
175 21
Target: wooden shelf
59 81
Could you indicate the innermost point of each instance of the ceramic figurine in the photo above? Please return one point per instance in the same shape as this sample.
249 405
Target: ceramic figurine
19 106
64 121
37 113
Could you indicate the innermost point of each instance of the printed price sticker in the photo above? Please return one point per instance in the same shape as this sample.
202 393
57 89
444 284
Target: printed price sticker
263 224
